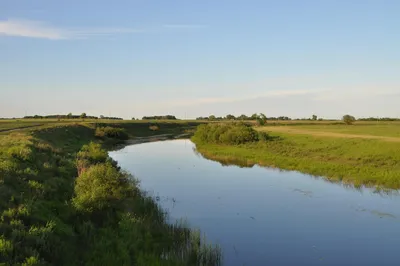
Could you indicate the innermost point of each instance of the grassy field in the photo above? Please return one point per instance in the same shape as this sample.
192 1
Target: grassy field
383 129
63 201
340 156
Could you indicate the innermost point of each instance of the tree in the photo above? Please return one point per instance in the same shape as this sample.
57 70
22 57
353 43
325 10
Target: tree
348 119
69 116
254 117
212 117
314 117
243 117
261 119
133 118
230 117
101 116
83 115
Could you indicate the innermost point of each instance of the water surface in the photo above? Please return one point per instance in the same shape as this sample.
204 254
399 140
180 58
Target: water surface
262 216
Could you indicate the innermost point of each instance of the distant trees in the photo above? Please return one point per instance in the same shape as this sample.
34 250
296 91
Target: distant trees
68 116
279 118
314 117
202 118
83 115
243 117
379 119
160 117
348 119
230 117
111 118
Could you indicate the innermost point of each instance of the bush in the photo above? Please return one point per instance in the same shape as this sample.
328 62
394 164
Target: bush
111 132
101 187
234 133
23 153
92 153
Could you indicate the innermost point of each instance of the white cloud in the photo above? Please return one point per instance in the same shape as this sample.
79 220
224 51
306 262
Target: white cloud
38 29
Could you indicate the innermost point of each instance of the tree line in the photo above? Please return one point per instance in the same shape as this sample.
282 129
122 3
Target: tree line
71 116
160 117
242 117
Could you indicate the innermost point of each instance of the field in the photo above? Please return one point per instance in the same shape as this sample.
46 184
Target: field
379 129
361 154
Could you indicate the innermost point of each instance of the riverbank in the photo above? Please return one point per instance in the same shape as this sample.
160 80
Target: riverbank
63 201
357 161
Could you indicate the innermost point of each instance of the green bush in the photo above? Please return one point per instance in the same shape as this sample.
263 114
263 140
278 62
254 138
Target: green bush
111 132
232 133
21 152
101 187
92 153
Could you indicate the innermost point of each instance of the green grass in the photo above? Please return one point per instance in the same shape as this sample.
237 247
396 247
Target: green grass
356 161
64 205
388 129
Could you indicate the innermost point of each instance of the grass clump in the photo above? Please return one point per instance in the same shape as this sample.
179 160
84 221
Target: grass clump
228 133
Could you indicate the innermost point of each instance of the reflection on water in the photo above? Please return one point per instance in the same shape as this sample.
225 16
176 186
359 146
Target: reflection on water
263 216
248 164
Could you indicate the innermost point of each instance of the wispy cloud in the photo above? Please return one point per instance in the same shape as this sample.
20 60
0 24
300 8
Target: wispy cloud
184 26
38 29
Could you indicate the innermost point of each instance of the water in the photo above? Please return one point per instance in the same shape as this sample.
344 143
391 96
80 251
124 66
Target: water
262 216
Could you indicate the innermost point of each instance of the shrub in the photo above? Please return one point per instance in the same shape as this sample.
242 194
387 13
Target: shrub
93 153
101 187
111 132
23 153
234 133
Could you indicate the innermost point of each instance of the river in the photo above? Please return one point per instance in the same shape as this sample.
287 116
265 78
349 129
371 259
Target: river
262 216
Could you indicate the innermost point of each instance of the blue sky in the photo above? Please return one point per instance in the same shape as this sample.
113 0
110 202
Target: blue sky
196 58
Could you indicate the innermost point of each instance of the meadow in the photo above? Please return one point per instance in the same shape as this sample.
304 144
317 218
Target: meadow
381 129
356 154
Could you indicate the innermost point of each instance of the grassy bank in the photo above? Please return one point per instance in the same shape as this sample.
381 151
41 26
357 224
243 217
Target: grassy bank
63 201
358 161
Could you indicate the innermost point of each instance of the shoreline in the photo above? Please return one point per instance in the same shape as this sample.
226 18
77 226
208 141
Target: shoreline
154 138
336 170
